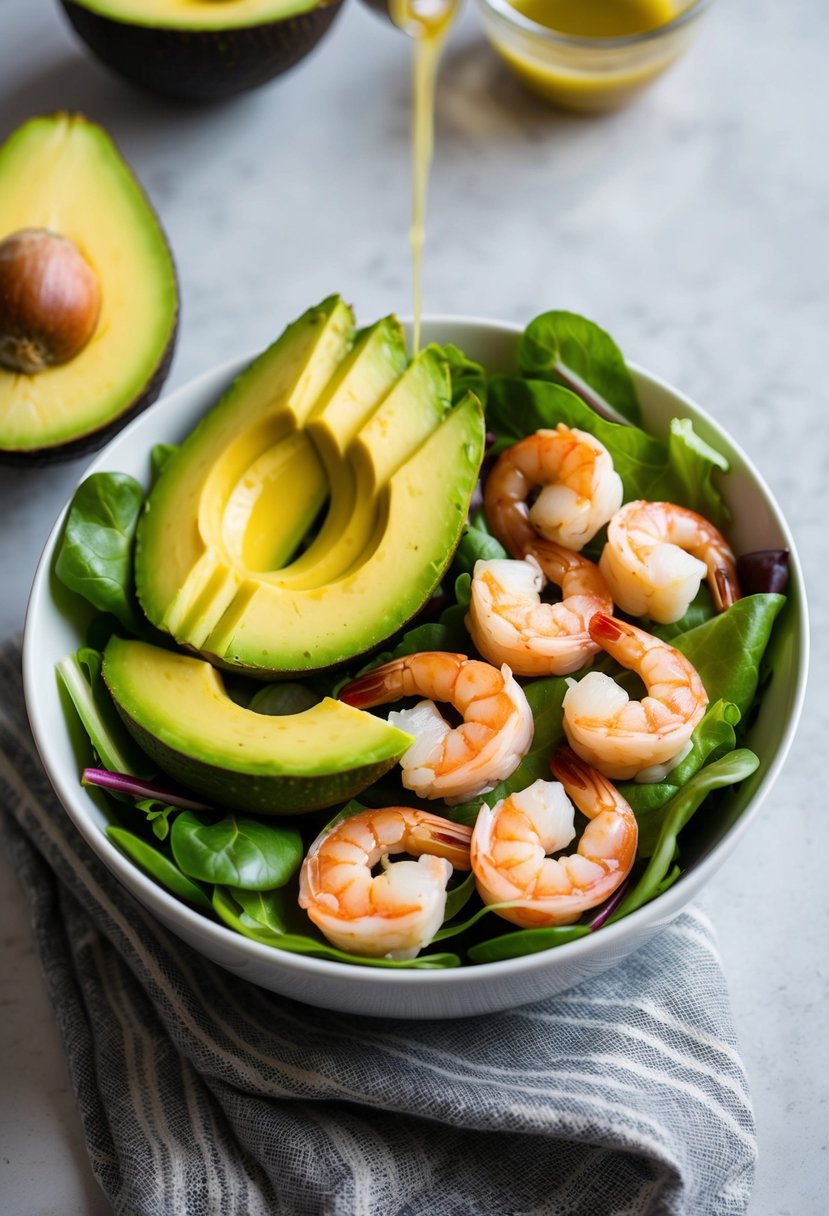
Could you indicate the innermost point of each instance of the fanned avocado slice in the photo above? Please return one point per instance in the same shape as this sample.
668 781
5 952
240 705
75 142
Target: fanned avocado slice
63 182
400 460
201 50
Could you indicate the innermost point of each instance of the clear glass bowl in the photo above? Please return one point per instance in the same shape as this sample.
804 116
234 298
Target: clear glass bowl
588 74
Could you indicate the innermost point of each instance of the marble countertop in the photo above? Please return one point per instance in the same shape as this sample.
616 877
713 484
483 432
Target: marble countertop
692 225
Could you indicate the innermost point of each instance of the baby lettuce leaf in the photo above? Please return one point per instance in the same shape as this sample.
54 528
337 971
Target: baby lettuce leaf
159 867
693 462
267 917
158 815
80 676
727 650
236 851
728 770
715 736
160 453
95 555
516 408
465 375
570 350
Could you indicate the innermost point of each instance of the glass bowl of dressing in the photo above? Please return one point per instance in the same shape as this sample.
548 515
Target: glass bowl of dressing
590 55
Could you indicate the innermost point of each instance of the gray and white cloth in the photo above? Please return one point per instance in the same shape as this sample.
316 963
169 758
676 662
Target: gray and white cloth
202 1095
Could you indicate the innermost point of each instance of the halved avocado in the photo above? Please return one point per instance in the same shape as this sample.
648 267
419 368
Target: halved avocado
64 184
201 50
401 463
176 707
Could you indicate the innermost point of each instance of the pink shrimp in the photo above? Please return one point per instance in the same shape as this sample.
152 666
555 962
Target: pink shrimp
512 843
445 762
397 912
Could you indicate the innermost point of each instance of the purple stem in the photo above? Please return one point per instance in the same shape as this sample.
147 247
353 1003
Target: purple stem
123 783
610 907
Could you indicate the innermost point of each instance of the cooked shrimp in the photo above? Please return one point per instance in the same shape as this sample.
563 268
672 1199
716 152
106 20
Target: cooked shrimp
656 556
580 490
509 623
621 737
445 762
512 843
397 912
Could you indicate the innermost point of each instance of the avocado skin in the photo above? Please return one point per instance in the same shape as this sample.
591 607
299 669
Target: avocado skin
86 444
238 791
201 65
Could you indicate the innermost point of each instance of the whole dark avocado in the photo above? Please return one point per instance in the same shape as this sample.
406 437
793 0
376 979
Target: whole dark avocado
206 50
88 291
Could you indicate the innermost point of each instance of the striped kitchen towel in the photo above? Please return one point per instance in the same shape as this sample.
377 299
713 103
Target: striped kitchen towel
202 1095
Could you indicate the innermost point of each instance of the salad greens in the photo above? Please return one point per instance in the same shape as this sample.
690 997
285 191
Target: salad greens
242 869
95 557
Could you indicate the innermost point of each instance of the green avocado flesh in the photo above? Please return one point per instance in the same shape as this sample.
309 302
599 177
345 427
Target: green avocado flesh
197 14
375 436
63 173
176 707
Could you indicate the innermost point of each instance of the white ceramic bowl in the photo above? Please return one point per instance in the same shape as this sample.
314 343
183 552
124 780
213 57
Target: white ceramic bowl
51 632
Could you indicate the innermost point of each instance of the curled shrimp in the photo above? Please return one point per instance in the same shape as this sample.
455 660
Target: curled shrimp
580 490
624 738
448 762
657 554
508 622
397 912
512 843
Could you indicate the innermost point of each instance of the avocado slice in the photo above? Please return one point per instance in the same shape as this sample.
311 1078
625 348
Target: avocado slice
176 707
421 514
402 421
401 463
201 50
62 175
233 469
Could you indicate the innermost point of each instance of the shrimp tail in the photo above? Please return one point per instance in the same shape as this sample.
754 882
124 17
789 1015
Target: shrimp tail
725 587
442 838
604 628
368 690
568 768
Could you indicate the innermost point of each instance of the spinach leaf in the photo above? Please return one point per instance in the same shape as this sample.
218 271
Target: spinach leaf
236 851
265 917
159 867
476 545
80 676
524 941
570 350
95 555
728 770
279 700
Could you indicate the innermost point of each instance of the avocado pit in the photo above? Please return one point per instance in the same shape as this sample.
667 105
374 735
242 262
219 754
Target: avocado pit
50 300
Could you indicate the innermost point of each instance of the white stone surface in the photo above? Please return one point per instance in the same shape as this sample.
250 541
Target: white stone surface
693 225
